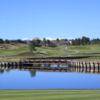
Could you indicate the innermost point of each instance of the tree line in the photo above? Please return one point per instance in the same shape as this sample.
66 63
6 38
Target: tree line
12 41
53 43
57 42
85 41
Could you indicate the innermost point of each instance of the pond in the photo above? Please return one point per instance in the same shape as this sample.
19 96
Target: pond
32 79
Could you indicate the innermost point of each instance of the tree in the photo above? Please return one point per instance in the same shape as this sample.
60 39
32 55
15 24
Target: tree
1 41
31 46
85 40
44 41
7 41
57 39
81 41
95 41
36 42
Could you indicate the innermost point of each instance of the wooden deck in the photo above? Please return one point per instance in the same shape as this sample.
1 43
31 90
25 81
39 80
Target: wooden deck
71 64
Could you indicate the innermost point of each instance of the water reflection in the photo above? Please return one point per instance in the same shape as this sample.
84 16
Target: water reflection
49 68
41 76
49 65
32 73
2 71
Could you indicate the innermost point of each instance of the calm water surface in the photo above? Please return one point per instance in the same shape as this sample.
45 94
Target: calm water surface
26 79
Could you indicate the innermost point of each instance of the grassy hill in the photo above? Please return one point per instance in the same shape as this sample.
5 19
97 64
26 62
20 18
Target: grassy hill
13 49
23 50
91 50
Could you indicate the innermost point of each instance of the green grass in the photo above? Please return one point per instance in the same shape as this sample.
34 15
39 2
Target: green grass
85 49
14 50
49 94
70 50
23 50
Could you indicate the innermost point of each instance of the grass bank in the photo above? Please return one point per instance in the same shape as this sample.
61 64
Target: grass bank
23 50
49 94
13 49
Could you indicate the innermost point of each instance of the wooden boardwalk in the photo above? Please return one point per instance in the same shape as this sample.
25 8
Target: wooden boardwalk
71 64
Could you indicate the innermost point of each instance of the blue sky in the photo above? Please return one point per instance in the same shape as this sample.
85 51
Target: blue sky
49 18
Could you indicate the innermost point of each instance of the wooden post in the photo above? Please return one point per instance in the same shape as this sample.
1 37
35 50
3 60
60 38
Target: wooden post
79 67
82 66
8 65
16 64
89 67
85 67
93 67
98 66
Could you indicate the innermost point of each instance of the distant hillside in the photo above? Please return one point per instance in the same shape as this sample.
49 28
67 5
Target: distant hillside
22 49
13 49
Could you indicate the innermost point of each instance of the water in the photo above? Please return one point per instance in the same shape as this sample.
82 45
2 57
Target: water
30 79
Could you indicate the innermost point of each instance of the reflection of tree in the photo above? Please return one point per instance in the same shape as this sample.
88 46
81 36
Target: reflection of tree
1 71
8 70
32 73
